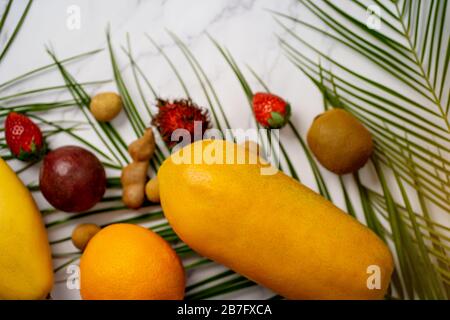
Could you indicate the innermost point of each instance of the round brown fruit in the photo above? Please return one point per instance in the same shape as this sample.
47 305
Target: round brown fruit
83 233
152 190
106 106
339 141
72 179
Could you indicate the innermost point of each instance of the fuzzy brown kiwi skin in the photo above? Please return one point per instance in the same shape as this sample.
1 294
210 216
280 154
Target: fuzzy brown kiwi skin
339 141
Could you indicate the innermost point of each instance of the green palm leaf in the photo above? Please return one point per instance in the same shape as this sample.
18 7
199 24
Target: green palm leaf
17 28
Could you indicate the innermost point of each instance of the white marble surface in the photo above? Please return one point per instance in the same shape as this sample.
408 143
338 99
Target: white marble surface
245 27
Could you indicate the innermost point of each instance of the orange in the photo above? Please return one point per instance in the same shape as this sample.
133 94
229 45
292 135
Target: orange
130 262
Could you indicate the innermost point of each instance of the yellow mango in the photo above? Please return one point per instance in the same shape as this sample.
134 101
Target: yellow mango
270 228
25 258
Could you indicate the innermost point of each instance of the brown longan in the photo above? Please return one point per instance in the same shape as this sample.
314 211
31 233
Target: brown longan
152 190
83 233
106 106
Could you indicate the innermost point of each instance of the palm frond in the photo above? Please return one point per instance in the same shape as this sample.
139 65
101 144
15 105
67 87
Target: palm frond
16 29
44 68
105 131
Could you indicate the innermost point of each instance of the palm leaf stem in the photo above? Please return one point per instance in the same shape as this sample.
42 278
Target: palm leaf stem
83 101
36 71
47 89
5 14
16 30
425 75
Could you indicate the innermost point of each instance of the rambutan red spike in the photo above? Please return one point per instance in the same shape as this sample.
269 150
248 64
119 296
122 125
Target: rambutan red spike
179 114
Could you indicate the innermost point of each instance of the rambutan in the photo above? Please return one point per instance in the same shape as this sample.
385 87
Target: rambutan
179 114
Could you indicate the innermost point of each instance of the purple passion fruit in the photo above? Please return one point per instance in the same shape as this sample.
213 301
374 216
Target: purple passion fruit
72 179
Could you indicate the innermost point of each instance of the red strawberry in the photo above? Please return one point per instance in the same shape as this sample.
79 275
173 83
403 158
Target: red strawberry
271 111
24 137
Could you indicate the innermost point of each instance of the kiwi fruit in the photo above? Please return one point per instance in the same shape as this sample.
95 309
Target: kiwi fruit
339 141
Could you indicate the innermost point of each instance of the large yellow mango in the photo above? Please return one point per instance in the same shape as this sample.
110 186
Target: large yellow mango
25 259
271 228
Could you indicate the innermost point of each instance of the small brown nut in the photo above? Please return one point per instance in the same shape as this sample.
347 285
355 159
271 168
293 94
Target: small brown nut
83 233
133 182
143 148
134 173
106 106
133 196
152 190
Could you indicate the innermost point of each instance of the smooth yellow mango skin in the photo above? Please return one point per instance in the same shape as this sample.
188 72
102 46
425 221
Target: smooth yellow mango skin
25 258
271 229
